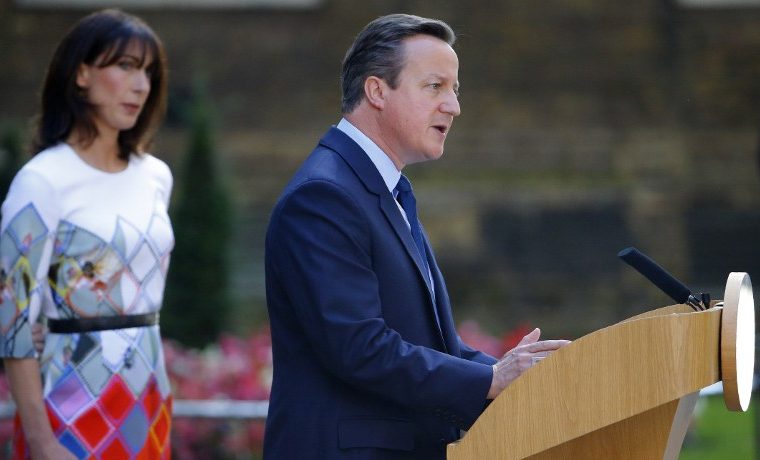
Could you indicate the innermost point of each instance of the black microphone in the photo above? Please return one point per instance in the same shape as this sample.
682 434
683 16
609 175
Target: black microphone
662 279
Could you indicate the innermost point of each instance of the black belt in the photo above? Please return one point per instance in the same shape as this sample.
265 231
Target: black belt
101 323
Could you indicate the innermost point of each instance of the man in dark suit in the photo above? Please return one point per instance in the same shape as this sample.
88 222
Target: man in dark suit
367 361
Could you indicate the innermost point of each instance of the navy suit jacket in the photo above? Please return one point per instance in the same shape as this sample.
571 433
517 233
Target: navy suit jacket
362 368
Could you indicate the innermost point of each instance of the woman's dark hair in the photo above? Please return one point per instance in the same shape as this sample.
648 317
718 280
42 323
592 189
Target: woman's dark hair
378 51
102 38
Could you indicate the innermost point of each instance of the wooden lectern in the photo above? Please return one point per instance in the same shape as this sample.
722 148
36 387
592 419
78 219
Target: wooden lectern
623 392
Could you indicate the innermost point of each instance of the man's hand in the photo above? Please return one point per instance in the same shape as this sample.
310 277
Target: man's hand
521 358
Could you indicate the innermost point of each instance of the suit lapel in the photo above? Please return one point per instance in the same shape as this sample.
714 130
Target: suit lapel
390 209
443 305
366 171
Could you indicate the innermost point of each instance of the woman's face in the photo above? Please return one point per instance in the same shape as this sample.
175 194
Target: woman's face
118 91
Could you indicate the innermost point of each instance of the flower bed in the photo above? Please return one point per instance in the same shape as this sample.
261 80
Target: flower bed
239 368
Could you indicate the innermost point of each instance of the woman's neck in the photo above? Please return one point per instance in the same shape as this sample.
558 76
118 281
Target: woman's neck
101 153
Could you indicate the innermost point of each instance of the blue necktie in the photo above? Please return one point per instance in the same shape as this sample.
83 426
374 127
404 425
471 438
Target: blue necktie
405 197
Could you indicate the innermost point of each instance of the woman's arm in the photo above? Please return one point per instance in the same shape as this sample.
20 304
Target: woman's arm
24 380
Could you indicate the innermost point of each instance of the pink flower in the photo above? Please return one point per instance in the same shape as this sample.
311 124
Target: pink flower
240 368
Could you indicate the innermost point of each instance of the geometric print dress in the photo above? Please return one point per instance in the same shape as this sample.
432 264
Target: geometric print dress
78 242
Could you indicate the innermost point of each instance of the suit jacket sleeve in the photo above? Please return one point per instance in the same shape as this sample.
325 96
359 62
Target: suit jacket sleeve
320 238
475 355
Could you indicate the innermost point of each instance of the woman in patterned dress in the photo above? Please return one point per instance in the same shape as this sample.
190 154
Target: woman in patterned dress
85 244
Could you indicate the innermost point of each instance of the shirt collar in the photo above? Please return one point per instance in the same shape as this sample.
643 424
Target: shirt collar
382 162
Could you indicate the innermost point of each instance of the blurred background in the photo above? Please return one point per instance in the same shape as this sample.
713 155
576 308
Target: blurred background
587 126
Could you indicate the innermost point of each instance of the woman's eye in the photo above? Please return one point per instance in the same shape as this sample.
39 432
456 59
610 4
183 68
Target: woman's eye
126 65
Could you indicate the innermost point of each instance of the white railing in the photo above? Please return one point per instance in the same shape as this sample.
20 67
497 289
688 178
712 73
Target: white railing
188 408
248 410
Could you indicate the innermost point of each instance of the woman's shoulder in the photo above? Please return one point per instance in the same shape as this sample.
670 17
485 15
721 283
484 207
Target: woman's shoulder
50 160
154 166
47 165
152 163
40 181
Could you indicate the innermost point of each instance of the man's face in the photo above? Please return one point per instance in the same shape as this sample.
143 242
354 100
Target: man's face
418 114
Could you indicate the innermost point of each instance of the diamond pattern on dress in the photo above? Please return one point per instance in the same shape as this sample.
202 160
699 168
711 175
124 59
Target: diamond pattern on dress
116 400
55 422
78 242
151 400
144 261
157 232
86 300
101 404
161 425
134 429
8 316
94 373
115 344
164 387
152 449
96 278
73 444
17 319
125 236
127 289
27 229
70 396
153 287
114 449
136 373
149 348
21 281
92 427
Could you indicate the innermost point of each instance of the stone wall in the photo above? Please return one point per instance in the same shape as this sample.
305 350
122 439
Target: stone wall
587 126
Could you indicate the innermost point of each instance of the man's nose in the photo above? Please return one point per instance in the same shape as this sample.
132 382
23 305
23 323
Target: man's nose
451 105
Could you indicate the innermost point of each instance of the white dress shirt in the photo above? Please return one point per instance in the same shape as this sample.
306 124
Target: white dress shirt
384 165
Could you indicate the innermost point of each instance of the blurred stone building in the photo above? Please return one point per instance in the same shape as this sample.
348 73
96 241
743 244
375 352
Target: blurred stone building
587 126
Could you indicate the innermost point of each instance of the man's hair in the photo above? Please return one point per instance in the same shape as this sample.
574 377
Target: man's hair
378 51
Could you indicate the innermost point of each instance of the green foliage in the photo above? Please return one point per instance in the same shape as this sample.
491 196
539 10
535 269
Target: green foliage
197 297
716 433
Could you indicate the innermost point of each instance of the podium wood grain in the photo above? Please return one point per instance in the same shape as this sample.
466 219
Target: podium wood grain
614 393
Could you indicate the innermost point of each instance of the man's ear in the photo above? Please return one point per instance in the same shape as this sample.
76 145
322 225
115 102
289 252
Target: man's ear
375 91
83 76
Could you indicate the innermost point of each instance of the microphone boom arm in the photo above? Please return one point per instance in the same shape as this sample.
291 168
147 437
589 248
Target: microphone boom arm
664 280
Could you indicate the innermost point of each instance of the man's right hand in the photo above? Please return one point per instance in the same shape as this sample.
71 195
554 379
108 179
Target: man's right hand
521 358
